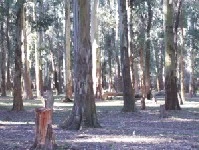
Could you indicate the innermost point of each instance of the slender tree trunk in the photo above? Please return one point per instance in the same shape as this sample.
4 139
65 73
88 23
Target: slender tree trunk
158 74
99 75
143 83
3 59
129 103
94 42
159 64
84 110
38 69
182 67
148 53
68 58
27 93
191 58
60 74
191 88
9 84
142 64
131 44
177 20
17 100
171 101
117 41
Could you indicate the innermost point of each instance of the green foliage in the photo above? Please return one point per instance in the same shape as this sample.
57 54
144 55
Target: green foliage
43 23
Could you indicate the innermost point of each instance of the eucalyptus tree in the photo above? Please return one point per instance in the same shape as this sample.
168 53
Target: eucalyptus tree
68 71
17 90
3 51
148 49
38 48
84 110
171 100
129 101
94 42
8 45
27 90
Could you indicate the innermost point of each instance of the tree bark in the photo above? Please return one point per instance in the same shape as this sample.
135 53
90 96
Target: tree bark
68 52
17 100
171 100
38 48
83 113
9 84
94 42
3 59
44 137
159 56
129 102
148 53
131 46
27 93
143 83
182 68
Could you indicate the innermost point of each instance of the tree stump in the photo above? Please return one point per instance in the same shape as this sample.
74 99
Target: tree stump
44 138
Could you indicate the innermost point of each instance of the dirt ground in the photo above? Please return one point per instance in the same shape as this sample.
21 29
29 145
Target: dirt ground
140 130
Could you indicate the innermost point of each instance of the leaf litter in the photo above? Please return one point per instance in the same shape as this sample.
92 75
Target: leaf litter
143 129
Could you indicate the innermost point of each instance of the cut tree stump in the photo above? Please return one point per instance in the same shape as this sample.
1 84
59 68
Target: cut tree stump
44 138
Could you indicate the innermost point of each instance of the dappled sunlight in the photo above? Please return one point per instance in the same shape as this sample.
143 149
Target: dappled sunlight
6 103
32 104
118 138
110 103
177 119
16 123
61 104
191 104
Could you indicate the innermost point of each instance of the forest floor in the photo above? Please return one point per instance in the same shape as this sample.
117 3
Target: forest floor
143 129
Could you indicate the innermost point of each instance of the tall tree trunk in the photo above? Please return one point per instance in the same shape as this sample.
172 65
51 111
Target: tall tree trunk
143 83
129 102
60 73
191 71
84 109
142 64
171 101
148 53
94 42
68 58
191 58
17 100
38 69
182 87
117 41
27 93
99 75
9 84
131 44
3 59
160 65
